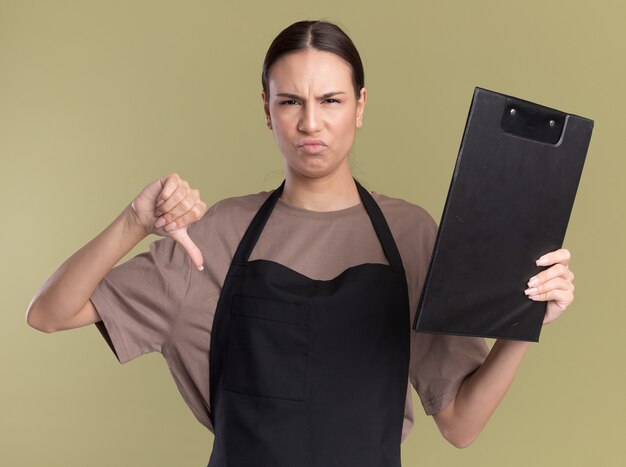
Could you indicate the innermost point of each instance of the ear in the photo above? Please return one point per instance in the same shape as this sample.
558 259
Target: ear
360 107
266 109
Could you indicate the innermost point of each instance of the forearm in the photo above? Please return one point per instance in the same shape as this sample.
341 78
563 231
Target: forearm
63 295
479 395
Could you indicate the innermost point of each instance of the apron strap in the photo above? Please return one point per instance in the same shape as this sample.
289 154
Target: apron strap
381 227
373 210
256 226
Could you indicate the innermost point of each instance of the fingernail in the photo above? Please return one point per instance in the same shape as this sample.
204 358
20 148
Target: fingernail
160 202
200 268
530 291
542 261
170 226
534 297
533 282
160 222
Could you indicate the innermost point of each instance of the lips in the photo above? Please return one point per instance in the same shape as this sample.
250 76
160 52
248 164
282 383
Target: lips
312 146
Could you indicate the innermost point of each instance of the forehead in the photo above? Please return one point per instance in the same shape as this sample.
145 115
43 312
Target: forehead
310 70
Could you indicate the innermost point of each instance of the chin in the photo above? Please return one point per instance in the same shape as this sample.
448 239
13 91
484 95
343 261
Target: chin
310 172
313 166
307 167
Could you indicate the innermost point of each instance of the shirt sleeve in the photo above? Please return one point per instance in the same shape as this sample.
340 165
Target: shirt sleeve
139 300
440 363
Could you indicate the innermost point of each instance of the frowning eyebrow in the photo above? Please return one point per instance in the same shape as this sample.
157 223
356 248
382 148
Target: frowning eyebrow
322 97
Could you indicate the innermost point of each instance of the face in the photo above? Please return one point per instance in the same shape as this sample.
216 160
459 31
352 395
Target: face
313 112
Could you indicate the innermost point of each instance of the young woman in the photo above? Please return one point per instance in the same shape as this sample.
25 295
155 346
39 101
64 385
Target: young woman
285 316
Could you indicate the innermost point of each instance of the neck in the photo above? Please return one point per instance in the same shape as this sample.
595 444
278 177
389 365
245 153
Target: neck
331 193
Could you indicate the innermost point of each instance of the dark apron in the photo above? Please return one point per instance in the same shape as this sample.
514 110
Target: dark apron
310 373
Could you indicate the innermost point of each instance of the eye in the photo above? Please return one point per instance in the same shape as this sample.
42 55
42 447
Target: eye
289 102
332 101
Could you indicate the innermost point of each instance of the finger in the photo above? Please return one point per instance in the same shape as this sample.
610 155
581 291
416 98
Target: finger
562 255
558 283
190 247
182 208
192 215
561 297
557 270
169 184
181 192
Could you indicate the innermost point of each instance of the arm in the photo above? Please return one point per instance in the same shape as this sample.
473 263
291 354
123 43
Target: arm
63 301
464 418
461 421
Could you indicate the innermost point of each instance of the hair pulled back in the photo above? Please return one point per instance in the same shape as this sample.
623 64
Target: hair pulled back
320 35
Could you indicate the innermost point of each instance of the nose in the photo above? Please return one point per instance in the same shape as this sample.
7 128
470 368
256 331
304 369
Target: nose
310 119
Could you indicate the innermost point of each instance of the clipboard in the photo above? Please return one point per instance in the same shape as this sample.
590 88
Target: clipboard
509 202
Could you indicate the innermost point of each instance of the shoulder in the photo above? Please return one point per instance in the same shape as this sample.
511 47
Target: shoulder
415 233
231 215
239 205
404 215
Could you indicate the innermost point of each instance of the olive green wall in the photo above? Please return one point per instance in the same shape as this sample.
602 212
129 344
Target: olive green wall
97 99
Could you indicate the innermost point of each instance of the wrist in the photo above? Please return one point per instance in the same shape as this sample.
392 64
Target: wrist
133 227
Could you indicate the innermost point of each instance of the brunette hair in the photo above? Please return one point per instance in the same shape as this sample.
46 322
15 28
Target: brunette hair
320 35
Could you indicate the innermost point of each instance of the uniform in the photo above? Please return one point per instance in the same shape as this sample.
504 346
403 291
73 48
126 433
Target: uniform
158 302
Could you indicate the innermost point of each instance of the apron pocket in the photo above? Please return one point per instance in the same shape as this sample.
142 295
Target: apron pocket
267 348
